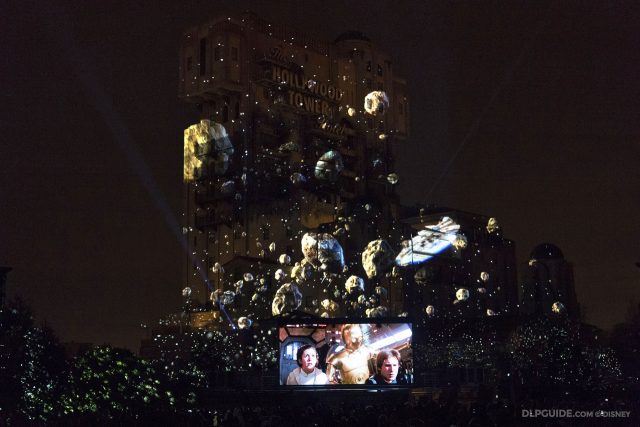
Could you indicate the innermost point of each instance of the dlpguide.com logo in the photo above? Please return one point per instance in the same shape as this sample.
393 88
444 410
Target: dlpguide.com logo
572 413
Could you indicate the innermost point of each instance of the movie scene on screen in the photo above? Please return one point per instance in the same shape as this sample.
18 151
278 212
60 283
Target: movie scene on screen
346 353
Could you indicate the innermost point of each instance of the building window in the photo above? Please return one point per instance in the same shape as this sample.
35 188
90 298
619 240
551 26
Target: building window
203 56
379 69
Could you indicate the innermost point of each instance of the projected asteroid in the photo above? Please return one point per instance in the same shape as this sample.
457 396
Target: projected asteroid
377 258
287 299
462 294
376 102
323 251
354 284
493 225
207 151
329 166
557 307
244 322
430 310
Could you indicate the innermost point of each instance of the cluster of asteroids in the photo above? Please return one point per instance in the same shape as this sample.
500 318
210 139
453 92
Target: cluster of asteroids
324 263
208 151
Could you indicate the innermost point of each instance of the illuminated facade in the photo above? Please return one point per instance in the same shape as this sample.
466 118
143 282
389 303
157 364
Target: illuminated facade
485 268
303 155
285 100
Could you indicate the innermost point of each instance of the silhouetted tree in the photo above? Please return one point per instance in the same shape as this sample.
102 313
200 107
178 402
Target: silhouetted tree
625 340
108 383
32 367
548 354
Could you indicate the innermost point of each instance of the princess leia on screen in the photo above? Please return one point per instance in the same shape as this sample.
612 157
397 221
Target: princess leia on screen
306 373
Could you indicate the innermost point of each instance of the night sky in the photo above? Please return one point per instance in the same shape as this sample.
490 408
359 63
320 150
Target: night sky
526 111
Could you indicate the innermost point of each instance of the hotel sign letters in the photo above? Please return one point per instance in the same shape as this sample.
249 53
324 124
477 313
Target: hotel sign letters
304 93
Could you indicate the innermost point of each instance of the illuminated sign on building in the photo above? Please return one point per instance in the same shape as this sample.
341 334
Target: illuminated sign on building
304 93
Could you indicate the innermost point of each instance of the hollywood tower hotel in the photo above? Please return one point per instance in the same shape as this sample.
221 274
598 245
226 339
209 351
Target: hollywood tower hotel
285 100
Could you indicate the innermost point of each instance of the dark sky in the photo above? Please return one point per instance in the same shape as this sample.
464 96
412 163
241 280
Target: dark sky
526 111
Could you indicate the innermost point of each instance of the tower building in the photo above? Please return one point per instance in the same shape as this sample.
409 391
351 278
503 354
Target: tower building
295 138
303 153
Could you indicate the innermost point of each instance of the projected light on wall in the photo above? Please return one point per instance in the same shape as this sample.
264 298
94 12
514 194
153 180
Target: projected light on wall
433 240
